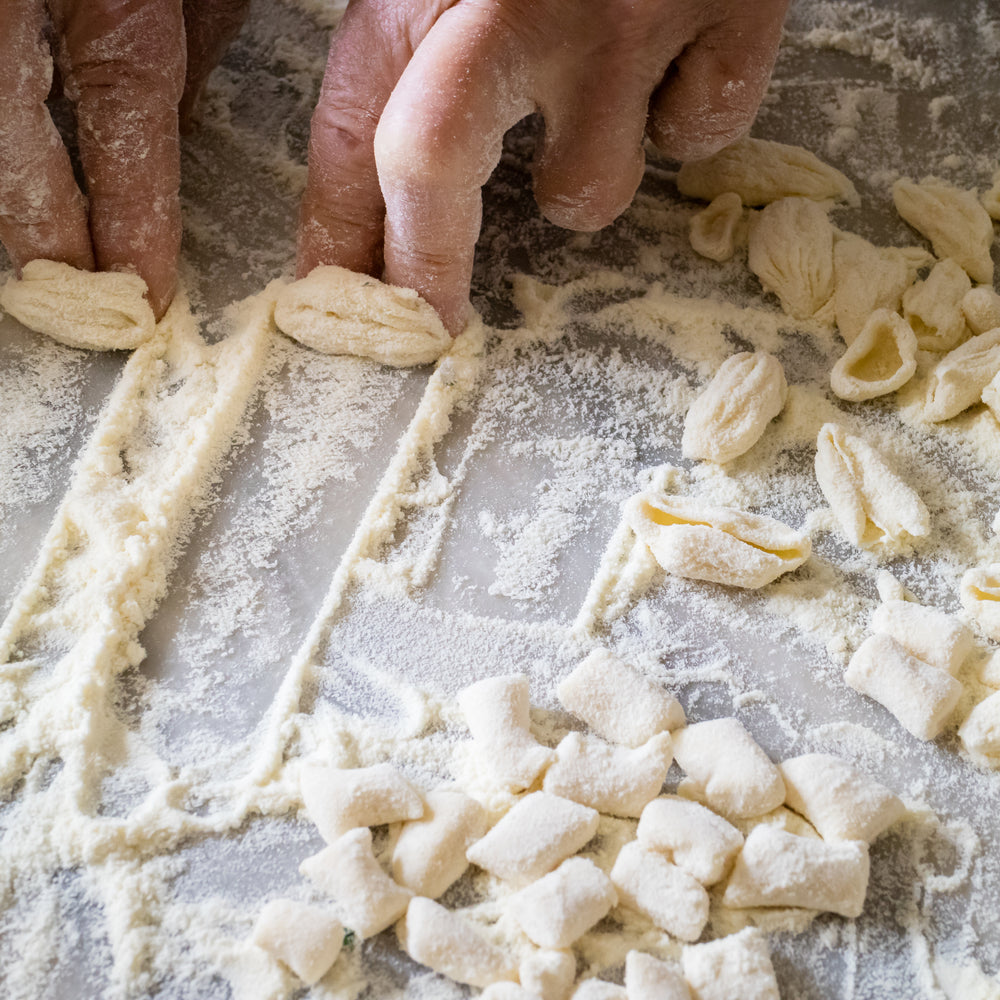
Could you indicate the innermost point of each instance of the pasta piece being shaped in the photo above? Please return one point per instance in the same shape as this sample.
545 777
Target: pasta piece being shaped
693 539
692 837
727 767
881 359
617 702
873 506
930 635
777 868
791 252
713 231
729 417
980 733
738 965
933 307
957 381
347 870
649 978
548 974
840 801
498 713
920 696
980 594
534 837
981 308
610 779
306 938
451 945
672 899
760 172
952 219
866 278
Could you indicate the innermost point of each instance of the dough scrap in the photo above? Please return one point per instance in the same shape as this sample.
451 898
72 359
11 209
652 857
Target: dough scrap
714 230
881 359
337 311
933 307
96 310
306 938
959 378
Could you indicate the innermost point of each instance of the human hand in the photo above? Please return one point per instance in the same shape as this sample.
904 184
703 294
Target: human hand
419 93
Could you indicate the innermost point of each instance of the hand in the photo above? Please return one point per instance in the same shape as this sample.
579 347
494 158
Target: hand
419 93
122 64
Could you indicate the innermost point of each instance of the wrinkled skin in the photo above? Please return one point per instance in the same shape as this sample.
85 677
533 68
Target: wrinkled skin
415 102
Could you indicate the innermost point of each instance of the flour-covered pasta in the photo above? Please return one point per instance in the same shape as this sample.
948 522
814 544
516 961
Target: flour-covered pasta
930 635
304 937
980 733
881 359
933 307
714 230
649 978
957 381
548 974
980 594
738 965
866 278
599 989
981 308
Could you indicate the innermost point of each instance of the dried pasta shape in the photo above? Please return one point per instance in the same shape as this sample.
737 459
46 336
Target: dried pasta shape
729 417
693 539
714 230
959 378
952 219
866 278
791 252
875 508
933 307
882 359
981 308
760 172
980 594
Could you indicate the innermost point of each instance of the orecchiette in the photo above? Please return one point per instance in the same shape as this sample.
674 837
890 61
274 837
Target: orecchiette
981 308
980 594
930 635
306 938
649 978
738 965
693 539
866 278
729 417
959 378
881 359
980 733
548 974
713 231
933 307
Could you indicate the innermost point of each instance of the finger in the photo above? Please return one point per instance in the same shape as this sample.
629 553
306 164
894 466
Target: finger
124 69
438 140
42 212
711 93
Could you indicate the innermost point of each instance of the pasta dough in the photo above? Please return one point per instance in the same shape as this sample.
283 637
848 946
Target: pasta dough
305 938
649 978
933 307
980 594
866 278
930 635
735 966
959 378
713 230
881 359
548 974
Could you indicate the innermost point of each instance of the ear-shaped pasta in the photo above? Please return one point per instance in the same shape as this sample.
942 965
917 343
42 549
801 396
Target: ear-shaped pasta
649 978
980 733
738 965
548 974
791 252
980 595
713 230
840 801
306 938
534 837
875 508
610 779
981 308
952 219
930 635
959 378
617 702
881 359
777 868
866 278
692 837
760 171
347 870
498 713
693 539
933 307
729 417
672 899
921 697
726 766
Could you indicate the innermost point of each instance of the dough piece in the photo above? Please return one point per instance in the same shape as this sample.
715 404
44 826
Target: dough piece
735 966
776 868
534 837
990 198
980 594
548 974
305 938
347 870
430 852
713 230
952 219
563 905
791 251
840 801
693 539
919 695
340 799
649 978
98 310
610 779
980 733
957 381
508 991
881 359
866 278
930 635
672 899
337 311
933 307
692 837
451 945
991 397
730 770
873 506
729 417
760 171
617 702
498 713
981 309
599 989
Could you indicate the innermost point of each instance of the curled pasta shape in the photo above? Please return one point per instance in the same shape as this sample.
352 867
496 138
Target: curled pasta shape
714 231
881 359
933 307
866 278
981 308
959 378
980 733
980 595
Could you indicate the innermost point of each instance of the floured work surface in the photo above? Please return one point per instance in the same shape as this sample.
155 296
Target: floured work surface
147 812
